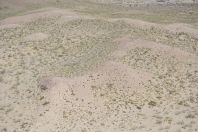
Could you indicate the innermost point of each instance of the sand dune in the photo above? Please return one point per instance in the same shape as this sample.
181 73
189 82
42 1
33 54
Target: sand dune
76 69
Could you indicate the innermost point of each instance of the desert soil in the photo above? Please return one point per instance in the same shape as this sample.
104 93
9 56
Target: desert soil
69 66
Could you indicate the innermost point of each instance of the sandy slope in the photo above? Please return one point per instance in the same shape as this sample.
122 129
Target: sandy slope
62 71
116 97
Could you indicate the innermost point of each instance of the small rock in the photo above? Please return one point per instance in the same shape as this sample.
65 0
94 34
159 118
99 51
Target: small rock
46 103
182 37
138 107
46 83
152 103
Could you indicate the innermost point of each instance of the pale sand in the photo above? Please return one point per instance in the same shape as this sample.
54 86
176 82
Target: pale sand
36 37
142 86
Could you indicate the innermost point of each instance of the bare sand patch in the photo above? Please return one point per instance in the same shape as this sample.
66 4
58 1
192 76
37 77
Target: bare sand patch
36 37
1 43
4 87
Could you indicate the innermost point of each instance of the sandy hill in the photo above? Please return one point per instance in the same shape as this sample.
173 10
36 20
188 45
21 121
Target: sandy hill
81 66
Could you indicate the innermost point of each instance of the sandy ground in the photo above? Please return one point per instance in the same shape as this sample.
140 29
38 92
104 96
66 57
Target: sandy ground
61 70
